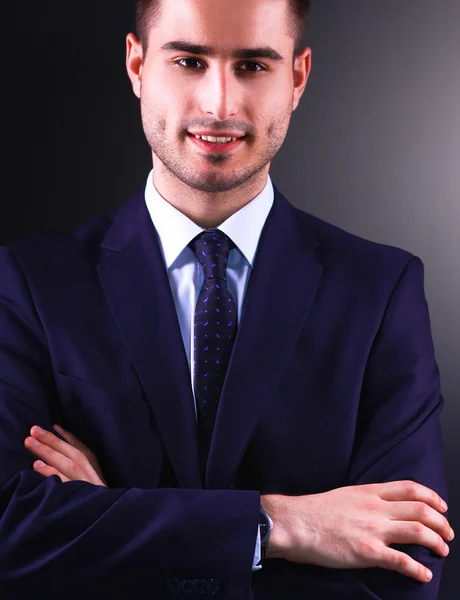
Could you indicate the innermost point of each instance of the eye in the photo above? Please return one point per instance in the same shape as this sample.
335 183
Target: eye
188 63
258 67
193 64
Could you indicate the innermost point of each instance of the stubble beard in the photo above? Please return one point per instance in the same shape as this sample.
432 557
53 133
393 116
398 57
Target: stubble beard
209 179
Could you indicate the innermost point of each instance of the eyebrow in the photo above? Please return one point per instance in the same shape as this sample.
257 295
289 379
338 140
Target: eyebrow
259 52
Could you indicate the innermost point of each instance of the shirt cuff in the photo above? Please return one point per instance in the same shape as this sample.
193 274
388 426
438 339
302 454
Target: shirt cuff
255 565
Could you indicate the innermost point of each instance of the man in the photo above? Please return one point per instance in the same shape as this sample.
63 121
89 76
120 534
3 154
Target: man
249 395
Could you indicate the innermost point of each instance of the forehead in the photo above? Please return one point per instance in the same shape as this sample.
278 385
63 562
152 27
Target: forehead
226 23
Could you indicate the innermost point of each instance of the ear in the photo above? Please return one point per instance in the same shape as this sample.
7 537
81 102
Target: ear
134 57
302 68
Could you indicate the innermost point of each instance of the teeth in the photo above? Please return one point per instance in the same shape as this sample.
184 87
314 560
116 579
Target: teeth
215 140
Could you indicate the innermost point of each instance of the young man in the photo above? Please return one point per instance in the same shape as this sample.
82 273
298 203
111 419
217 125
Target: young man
250 395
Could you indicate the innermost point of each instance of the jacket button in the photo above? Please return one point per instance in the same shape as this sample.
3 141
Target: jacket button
187 586
174 585
199 586
213 587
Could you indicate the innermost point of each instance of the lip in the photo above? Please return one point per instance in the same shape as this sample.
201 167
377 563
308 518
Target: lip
217 134
214 148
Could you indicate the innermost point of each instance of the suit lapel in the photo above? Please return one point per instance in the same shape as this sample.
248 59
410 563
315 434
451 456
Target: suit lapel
135 281
280 291
281 288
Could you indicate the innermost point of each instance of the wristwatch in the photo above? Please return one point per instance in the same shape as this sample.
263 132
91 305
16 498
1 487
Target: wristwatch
265 527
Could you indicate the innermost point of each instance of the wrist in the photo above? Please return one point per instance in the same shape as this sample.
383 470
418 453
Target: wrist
278 539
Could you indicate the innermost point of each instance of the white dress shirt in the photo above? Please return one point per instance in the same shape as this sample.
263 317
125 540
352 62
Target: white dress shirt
185 273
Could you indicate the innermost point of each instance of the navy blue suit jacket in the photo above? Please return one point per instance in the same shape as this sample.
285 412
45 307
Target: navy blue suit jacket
332 382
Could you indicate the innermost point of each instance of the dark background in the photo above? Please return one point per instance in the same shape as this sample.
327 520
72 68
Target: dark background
373 148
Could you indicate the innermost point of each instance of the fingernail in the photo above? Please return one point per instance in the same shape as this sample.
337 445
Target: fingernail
38 430
429 575
451 534
39 463
443 505
33 441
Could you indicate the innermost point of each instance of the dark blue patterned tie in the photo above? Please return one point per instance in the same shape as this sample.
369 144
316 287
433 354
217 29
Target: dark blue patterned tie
214 331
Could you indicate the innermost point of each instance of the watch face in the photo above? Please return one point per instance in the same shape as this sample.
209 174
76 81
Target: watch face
264 526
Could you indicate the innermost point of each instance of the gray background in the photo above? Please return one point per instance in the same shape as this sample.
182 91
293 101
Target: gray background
374 146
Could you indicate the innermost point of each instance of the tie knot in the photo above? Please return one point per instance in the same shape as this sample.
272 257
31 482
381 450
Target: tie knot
212 249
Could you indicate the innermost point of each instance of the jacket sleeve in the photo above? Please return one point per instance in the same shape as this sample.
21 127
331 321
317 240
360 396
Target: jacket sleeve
398 435
78 540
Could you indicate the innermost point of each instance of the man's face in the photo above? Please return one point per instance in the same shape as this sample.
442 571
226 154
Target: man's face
193 82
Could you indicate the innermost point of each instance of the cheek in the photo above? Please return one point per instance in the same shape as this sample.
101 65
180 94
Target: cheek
162 88
176 100
272 103
175 88
273 117
158 104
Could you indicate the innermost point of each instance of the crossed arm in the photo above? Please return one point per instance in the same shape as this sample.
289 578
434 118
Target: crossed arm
350 527
354 526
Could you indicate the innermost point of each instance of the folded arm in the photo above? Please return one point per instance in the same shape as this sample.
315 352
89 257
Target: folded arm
381 531
76 538
398 435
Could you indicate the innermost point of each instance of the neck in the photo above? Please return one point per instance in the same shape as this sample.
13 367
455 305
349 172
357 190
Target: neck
206 209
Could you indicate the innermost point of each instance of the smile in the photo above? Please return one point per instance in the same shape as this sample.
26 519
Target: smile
216 140
214 144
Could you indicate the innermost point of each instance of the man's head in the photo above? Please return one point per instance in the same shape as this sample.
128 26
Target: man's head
221 68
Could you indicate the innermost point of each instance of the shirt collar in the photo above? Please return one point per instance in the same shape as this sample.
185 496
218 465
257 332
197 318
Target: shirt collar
176 230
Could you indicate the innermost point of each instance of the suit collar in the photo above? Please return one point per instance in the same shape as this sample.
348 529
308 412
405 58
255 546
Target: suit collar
134 218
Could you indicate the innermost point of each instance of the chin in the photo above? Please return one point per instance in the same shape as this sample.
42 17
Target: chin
213 182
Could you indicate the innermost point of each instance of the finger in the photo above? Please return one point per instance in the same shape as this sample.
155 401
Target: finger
413 532
419 511
72 439
410 490
52 441
393 560
47 471
92 459
67 466
68 460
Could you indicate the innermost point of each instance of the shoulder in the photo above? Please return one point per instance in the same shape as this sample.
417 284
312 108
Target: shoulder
354 259
37 255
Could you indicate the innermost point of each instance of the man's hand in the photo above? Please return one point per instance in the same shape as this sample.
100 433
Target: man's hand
71 461
352 527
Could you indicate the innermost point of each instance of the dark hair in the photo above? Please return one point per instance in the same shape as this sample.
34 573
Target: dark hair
148 11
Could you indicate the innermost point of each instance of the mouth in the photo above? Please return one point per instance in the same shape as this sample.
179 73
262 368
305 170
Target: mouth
214 144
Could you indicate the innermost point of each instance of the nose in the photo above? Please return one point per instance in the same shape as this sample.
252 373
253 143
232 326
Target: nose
219 93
